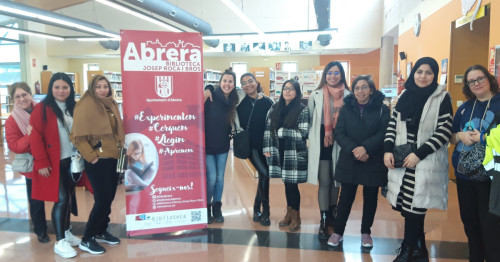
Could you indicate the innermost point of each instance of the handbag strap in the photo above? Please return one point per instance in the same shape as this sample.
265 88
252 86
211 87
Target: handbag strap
248 122
482 119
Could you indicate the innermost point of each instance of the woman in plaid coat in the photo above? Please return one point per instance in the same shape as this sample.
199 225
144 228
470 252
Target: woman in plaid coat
287 126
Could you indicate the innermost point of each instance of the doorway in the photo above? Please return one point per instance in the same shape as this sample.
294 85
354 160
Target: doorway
467 48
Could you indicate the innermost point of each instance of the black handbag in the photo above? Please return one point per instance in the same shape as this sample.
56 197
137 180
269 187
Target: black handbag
470 163
401 152
241 140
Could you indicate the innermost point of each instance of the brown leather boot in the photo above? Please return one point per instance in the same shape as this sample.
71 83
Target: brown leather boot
288 218
295 223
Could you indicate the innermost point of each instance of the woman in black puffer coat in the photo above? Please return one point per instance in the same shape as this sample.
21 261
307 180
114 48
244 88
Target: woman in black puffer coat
360 134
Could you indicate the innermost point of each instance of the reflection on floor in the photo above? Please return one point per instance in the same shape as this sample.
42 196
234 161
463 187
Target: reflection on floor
239 238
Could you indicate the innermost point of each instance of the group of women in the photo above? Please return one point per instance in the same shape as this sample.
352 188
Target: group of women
351 139
54 130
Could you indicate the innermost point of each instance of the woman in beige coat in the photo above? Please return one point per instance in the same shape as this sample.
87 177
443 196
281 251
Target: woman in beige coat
323 151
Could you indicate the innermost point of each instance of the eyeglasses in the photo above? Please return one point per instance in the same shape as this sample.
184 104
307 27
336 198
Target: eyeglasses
479 80
250 81
23 96
336 73
361 88
286 88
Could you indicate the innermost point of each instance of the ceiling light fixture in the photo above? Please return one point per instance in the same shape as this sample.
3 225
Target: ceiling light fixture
94 39
38 15
31 33
138 14
241 15
273 36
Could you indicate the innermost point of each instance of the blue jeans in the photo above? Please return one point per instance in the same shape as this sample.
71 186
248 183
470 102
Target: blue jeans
216 165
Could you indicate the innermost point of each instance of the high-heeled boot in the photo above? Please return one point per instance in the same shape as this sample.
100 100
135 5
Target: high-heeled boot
288 217
405 253
264 193
421 254
256 204
323 225
295 220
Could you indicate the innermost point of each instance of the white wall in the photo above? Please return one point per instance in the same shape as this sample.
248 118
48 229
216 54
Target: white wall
410 8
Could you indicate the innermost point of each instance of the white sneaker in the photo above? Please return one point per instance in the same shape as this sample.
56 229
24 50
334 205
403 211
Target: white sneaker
71 239
63 249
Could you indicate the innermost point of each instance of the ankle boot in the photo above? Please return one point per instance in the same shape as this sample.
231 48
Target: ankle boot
323 225
210 219
295 220
421 254
218 218
333 215
405 253
287 219
256 204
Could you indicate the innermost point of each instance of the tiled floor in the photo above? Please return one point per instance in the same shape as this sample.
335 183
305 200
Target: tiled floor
238 239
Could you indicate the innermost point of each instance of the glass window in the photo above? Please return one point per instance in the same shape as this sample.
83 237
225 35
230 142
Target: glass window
289 66
239 69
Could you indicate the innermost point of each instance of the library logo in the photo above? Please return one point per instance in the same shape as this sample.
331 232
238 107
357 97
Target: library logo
164 86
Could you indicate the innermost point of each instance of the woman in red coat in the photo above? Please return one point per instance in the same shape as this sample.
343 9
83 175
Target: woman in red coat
52 120
17 130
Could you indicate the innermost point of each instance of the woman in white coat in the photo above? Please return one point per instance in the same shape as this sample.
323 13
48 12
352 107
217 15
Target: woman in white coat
323 151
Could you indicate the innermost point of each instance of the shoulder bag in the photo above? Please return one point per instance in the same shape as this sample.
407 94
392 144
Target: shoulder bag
470 163
241 140
23 163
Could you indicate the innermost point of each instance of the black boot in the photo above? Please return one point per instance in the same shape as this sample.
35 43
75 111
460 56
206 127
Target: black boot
264 191
256 204
323 226
420 254
405 253
218 218
210 219
333 215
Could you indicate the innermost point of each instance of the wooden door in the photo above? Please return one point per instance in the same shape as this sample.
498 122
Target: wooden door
467 48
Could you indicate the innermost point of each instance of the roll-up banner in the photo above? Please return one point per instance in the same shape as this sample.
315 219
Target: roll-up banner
162 78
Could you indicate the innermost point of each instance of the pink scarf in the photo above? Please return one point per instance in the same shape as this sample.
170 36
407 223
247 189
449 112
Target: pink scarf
337 94
22 117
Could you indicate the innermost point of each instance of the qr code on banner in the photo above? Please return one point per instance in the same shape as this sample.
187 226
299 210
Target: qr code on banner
195 216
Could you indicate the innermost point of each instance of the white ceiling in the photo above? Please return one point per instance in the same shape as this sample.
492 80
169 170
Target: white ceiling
359 22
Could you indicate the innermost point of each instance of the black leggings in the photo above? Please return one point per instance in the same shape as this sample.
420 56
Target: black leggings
61 212
292 195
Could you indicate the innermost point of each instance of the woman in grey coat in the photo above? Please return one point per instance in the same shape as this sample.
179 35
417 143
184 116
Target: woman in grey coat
285 148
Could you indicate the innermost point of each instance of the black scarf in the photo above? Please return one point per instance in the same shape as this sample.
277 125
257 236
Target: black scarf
412 101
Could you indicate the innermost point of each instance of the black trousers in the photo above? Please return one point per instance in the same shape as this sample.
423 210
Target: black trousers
292 195
481 227
37 211
61 212
347 196
104 180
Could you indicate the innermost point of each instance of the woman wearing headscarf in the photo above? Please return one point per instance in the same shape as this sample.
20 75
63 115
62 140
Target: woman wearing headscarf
287 126
17 131
324 106
98 134
422 118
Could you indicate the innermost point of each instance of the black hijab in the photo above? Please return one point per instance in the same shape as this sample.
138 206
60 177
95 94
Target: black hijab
412 101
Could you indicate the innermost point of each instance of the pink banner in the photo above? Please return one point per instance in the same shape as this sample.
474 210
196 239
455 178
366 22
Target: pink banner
162 75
